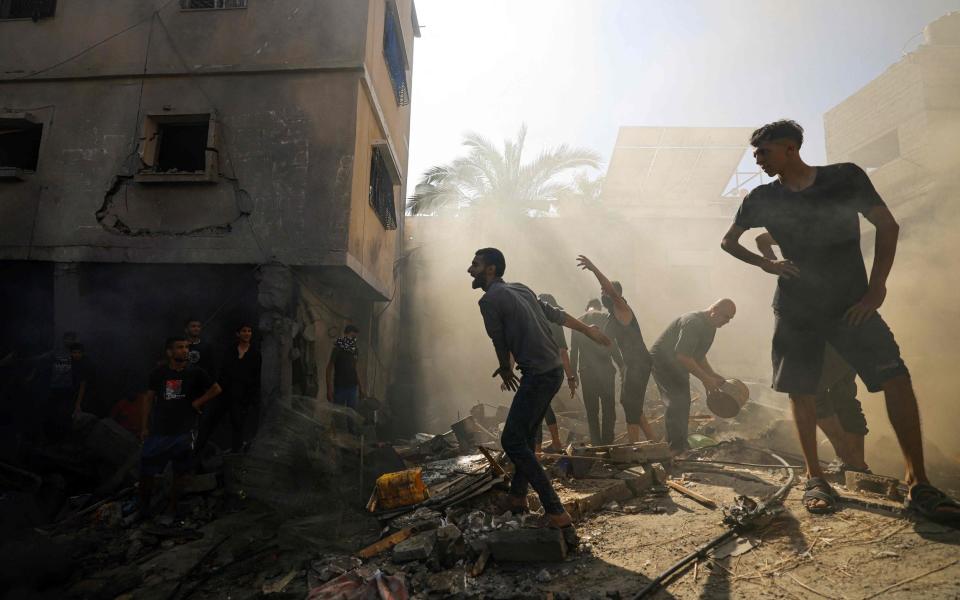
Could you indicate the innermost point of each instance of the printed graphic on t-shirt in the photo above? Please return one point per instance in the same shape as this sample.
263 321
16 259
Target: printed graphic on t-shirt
173 389
193 356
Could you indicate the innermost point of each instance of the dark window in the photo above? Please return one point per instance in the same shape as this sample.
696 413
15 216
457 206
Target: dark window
381 190
20 145
199 4
182 146
27 9
395 56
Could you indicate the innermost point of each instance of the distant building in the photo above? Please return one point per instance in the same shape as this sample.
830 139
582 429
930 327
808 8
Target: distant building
221 159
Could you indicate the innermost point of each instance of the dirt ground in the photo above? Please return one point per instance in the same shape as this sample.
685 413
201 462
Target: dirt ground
856 553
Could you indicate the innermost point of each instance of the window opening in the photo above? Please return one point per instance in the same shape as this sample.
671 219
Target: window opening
27 9
381 190
395 56
20 145
182 146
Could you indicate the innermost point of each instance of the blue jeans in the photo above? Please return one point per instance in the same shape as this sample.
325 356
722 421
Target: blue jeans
519 438
347 396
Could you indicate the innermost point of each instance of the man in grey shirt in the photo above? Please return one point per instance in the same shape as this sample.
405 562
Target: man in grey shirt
519 326
680 351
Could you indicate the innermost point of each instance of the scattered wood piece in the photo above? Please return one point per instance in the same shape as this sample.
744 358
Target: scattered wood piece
711 504
386 543
480 566
914 578
278 585
497 467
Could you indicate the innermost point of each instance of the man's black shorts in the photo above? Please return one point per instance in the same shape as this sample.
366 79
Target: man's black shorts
798 346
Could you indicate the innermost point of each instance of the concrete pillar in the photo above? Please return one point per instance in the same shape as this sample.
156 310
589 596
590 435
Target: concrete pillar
275 293
66 301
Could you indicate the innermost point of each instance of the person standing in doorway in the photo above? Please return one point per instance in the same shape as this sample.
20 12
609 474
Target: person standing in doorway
84 380
344 385
62 398
624 327
240 380
202 354
177 394
595 365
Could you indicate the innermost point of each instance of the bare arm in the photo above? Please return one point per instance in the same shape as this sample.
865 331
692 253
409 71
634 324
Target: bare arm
765 244
621 310
707 367
207 396
591 331
731 244
571 374
885 249
711 382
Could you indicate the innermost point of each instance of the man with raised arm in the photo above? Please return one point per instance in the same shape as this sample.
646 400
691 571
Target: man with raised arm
824 296
519 326
623 327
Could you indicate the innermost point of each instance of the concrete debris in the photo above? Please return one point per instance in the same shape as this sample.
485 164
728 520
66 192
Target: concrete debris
417 547
527 545
873 484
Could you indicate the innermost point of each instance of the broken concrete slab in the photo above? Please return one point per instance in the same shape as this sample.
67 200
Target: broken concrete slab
873 484
638 479
645 452
418 547
527 545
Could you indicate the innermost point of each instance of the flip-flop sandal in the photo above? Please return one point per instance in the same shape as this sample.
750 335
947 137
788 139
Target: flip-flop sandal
817 488
925 500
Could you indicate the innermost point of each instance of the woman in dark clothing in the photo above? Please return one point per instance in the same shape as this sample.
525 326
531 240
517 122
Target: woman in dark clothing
240 379
623 327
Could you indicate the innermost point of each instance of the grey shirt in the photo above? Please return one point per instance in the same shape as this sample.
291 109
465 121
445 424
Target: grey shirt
587 357
518 323
690 334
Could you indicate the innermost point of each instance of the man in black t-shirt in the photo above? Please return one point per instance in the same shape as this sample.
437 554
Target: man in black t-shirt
178 391
824 296
681 350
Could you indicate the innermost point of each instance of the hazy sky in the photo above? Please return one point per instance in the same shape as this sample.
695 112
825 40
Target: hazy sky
576 70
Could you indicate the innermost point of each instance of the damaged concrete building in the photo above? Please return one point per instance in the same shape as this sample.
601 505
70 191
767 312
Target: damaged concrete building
223 160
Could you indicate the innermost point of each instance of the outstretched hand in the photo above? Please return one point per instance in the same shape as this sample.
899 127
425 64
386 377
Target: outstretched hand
867 307
510 381
585 263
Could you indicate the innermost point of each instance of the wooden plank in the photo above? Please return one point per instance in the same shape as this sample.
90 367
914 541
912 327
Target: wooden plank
386 543
711 504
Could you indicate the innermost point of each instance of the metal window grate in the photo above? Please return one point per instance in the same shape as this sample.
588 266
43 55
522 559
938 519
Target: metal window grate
199 4
27 9
395 56
381 191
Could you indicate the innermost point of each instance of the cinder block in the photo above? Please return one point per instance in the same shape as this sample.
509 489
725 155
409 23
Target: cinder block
637 479
418 547
873 484
527 545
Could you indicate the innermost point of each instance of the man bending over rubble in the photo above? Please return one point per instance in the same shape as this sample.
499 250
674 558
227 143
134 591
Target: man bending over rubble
681 350
519 325
824 296
178 390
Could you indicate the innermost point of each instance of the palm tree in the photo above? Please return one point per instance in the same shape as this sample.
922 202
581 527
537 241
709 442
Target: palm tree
501 179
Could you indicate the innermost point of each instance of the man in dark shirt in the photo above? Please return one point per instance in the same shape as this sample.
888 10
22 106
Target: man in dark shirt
240 379
519 326
344 386
201 353
823 296
178 391
681 350
57 414
596 368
